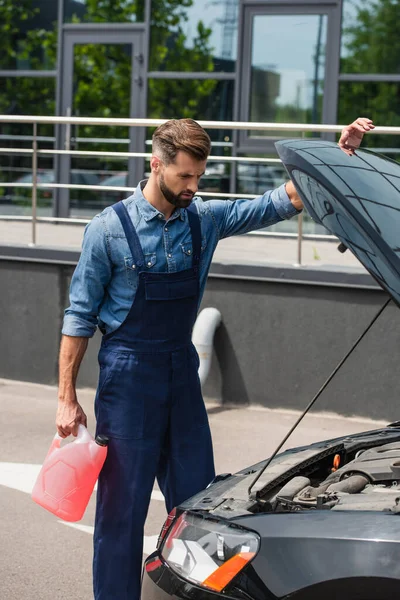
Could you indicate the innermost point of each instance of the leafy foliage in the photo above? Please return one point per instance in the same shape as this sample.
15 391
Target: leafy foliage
372 45
113 11
102 72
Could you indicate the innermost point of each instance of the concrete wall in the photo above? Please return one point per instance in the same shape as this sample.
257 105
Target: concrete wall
279 342
280 338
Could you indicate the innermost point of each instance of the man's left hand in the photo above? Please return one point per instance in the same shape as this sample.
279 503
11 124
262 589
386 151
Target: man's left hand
350 140
353 134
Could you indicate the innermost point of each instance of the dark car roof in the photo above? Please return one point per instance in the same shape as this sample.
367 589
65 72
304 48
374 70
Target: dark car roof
357 198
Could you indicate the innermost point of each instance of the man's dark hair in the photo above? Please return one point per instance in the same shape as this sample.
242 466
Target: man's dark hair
181 135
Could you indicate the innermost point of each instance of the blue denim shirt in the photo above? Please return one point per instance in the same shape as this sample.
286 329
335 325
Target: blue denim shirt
104 283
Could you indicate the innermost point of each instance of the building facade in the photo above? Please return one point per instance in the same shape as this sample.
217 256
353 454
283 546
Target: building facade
300 61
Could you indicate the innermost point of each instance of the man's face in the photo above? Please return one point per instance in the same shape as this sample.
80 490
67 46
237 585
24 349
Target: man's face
179 181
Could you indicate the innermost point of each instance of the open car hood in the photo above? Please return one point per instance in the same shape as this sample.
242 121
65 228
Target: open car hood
357 198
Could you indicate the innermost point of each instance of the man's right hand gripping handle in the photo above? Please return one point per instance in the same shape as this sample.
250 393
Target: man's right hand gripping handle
69 412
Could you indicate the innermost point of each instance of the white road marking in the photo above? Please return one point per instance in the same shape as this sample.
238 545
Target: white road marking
19 476
22 477
84 528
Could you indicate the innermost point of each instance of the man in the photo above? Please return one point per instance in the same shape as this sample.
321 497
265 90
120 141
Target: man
140 278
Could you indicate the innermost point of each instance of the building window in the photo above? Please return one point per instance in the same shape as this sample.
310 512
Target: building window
377 100
257 177
28 38
370 68
104 11
25 96
370 37
207 99
200 99
287 82
193 35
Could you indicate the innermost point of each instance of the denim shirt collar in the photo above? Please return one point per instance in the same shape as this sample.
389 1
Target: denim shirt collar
147 210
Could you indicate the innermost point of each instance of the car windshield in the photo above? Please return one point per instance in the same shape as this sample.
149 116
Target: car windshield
42 177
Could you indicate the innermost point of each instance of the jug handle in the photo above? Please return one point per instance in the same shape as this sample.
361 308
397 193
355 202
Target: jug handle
83 434
55 444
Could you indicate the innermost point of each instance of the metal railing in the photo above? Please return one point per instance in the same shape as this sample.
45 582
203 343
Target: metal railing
35 152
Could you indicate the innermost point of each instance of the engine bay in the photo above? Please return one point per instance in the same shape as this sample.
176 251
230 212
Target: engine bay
360 472
368 481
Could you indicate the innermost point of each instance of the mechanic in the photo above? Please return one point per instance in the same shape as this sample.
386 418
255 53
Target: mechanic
140 279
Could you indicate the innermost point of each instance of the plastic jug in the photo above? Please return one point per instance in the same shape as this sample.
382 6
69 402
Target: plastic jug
69 473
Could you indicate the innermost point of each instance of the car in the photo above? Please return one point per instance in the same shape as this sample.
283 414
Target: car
117 180
23 196
17 195
319 522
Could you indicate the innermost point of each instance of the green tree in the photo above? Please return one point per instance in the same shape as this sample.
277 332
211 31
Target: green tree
102 73
372 45
168 51
20 45
32 49
112 11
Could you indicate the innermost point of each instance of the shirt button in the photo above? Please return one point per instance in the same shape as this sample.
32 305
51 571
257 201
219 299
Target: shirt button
149 264
169 255
189 252
133 266
160 216
166 229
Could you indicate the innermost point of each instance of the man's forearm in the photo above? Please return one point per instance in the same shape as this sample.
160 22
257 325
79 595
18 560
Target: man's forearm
72 351
293 195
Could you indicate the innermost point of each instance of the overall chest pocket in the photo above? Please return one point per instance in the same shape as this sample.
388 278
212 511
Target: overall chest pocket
172 290
187 252
132 269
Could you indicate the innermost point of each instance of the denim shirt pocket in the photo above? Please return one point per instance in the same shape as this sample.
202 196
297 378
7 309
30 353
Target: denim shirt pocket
132 269
150 260
187 251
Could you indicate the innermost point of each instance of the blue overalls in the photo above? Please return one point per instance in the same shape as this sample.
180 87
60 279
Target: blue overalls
149 404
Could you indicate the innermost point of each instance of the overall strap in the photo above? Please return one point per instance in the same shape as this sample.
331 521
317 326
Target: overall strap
194 223
130 232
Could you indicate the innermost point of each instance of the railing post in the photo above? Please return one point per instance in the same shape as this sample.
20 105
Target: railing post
34 184
299 238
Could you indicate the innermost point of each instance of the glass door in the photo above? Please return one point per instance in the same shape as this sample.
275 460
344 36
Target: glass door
101 77
289 67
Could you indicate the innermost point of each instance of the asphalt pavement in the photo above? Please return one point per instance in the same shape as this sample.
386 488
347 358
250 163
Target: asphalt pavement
43 558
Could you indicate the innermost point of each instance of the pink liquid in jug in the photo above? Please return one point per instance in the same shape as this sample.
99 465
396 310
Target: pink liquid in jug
69 473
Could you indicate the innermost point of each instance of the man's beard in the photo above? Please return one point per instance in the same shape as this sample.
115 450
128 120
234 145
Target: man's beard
174 199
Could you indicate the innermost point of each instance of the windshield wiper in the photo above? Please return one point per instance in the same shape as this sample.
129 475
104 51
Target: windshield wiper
311 404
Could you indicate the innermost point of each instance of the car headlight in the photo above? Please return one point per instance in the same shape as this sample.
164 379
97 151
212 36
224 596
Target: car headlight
208 552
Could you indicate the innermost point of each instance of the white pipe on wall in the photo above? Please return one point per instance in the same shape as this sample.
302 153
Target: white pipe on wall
202 337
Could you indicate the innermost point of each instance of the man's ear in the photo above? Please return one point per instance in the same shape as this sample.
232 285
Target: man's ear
155 164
